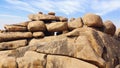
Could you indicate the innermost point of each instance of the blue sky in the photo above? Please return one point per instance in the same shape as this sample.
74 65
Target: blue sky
16 11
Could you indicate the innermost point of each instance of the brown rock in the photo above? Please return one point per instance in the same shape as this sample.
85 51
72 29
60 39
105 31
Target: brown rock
24 24
57 26
40 12
92 20
7 36
36 26
77 23
62 19
12 44
54 61
15 28
38 34
42 17
117 34
51 13
8 62
5 53
31 59
72 19
109 27
67 46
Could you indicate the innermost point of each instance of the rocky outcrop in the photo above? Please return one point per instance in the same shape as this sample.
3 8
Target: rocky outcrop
50 41
92 20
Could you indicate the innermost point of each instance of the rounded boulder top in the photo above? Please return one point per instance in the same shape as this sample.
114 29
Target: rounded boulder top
92 20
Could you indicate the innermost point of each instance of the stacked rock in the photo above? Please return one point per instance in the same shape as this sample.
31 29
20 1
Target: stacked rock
16 35
41 25
32 44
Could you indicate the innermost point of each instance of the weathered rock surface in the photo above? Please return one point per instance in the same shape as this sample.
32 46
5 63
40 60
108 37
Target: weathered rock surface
7 36
36 26
13 28
62 19
38 34
31 59
77 23
66 62
93 20
109 27
51 42
51 13
57 26
12 44
38 17
8 62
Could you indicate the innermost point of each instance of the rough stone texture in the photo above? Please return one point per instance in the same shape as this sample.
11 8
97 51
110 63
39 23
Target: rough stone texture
12 44
38 34
57 26
117 34
8 62
7 36
77 23
109 27
62 19
38 17
66 62
71 19
51 13
36 26
31 59
93 20
24 24
88 46
67 46
13 28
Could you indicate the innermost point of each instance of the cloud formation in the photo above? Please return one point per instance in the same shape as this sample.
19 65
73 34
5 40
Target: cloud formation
67 7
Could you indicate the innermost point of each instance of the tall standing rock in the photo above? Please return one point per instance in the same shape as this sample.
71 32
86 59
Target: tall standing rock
92 20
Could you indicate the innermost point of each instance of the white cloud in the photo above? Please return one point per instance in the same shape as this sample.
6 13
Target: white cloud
68 7
20 5
11 16
105 6
63 6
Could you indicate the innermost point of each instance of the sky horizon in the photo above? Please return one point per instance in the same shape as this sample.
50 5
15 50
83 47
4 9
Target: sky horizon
16 11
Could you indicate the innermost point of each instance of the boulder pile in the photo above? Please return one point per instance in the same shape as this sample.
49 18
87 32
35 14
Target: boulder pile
50 41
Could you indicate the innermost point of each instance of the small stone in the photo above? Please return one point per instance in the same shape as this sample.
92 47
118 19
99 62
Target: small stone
51 13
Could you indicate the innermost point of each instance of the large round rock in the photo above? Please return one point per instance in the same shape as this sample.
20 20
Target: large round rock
109 27
92 20
36 26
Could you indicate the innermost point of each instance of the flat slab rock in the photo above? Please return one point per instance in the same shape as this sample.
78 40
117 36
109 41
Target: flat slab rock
8 36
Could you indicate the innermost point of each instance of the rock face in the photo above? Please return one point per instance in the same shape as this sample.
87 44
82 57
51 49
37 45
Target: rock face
79 43
36 26
77 23
92 20
109 27
57 26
